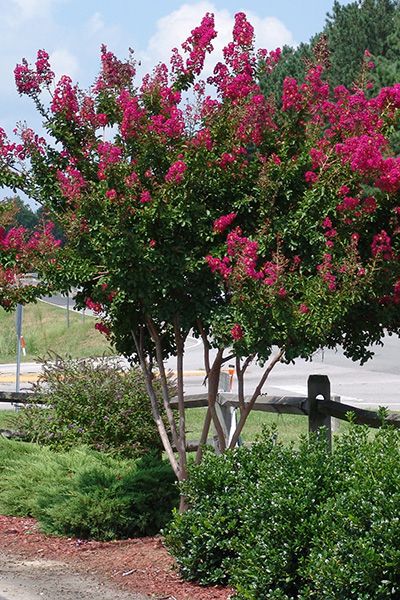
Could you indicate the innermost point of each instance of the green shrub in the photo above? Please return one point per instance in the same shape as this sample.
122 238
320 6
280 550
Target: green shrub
11 449
285 523
355 551
93 403
87 494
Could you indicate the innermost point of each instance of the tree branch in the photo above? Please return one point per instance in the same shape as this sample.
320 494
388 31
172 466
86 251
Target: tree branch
154 403
180 341
164 380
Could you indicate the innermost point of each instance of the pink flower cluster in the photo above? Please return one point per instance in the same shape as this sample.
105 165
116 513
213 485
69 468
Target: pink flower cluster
223 222
364 155
17 239
132 114
71 183
176 172
237 332
32 142
65 99
96 307
245 252
88 113
30 81
115 74
102 328
109 155
325 271
382 245
291 96
197 45
9 151
220 265
243 31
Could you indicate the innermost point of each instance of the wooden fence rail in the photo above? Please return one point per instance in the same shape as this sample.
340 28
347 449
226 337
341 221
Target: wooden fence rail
319 406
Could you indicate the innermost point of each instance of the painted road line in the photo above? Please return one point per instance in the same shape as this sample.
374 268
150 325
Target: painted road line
25 377
33 377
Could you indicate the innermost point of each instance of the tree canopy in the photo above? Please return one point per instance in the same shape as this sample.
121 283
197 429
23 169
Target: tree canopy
202 206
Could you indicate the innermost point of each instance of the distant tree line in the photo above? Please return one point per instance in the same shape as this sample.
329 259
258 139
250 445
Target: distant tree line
350 30
24 216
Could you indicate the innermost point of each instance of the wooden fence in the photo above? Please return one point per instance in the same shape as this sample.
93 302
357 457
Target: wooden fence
319 406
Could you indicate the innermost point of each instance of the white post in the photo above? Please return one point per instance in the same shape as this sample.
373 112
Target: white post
226 414
19 333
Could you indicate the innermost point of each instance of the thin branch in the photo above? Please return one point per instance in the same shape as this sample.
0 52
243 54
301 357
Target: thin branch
206 346
213 382
164 380
223 361
180 341
240 372
154 403
240 379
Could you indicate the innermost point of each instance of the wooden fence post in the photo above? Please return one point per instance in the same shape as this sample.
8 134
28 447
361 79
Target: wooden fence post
319 385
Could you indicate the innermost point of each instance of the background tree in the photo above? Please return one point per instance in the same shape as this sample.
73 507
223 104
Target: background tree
350 30
22 251
250 225
24 215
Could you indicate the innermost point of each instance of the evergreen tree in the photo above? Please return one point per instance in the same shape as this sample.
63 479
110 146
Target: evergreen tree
353 29
350 30
387 70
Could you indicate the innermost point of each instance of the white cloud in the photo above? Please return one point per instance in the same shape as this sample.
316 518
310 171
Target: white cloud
175 27
30 9
63 62
95 23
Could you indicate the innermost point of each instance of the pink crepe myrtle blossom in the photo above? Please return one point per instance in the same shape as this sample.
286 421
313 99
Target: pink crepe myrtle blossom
304 309
176 172
96 307
382 245
115 74
71 182
237 332
223 222
102 328
145 197
111 194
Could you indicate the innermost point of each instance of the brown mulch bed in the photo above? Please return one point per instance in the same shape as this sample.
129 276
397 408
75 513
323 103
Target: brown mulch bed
138 565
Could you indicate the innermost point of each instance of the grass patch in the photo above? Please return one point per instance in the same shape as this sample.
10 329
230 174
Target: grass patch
289 427
45 328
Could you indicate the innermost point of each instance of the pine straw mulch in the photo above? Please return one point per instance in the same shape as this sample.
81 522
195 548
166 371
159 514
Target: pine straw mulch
140 565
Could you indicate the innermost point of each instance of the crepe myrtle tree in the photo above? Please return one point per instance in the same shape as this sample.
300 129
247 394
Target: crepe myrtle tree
252 226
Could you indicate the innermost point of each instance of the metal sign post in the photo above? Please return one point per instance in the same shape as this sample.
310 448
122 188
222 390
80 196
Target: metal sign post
19 334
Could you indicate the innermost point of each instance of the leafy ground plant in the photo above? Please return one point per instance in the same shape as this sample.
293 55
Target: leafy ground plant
92 402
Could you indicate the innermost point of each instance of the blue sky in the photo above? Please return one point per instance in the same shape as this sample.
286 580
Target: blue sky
72 32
